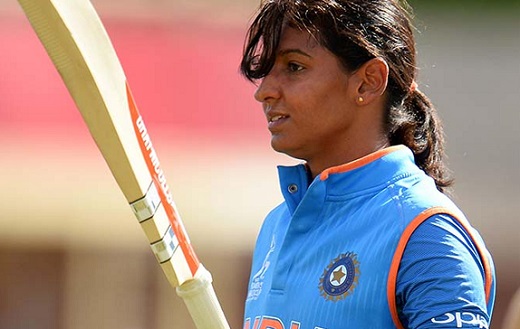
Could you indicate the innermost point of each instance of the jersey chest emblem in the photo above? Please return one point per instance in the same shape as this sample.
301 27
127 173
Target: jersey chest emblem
340 278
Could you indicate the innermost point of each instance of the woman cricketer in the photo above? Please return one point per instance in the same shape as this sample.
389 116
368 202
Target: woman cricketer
366 236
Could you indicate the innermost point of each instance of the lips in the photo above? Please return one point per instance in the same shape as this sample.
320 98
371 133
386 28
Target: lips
276 118
276 122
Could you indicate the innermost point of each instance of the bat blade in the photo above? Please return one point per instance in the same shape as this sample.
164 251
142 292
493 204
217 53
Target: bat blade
80 48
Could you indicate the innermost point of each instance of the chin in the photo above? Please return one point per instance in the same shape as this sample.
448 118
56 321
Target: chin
278 145
284 148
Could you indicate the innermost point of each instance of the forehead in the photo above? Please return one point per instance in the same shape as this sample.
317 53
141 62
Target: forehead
294 38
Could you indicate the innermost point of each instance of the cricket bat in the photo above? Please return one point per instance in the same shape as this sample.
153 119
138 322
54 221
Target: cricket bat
80 48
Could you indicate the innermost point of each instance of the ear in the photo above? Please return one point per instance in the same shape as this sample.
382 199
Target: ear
372 79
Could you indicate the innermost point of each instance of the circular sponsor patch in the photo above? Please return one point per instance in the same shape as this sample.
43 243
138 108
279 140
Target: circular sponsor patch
340 278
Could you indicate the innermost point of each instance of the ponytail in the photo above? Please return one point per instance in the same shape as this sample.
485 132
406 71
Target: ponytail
415 123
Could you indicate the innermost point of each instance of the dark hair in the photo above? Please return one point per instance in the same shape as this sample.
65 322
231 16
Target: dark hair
357 31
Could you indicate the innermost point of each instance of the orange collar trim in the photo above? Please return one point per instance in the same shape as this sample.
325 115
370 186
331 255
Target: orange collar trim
359 162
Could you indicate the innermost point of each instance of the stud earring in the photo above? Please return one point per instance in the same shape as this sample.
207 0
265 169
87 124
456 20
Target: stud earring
360 99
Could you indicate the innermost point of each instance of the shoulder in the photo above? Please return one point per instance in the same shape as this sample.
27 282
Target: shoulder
276 217
274 224
442 276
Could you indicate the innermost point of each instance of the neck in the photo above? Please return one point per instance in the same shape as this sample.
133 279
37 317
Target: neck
316 166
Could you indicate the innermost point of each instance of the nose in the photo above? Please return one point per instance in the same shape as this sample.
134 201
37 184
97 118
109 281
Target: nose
268 90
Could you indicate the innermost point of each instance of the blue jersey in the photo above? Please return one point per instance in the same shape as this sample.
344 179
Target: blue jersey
369 244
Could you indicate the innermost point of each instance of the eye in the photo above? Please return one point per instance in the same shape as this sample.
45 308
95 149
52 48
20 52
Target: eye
294 67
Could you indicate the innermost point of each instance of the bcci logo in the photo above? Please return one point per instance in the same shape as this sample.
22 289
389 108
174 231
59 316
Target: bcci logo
340 278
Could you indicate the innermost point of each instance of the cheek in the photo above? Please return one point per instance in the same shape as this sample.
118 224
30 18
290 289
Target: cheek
330 103
320 100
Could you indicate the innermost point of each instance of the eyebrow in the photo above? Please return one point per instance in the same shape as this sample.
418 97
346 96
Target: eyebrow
285 52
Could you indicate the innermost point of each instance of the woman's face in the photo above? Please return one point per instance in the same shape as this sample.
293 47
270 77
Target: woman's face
308 101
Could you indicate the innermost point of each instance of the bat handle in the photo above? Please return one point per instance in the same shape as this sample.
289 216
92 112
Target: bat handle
202 303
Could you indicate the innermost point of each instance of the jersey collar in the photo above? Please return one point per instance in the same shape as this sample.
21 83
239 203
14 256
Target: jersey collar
372 171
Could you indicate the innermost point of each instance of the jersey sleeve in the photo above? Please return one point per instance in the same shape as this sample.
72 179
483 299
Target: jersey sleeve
440 282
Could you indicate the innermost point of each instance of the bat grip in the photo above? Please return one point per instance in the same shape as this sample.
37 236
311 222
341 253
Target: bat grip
202 303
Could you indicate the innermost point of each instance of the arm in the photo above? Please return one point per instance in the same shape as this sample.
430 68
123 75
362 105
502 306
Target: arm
440 282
